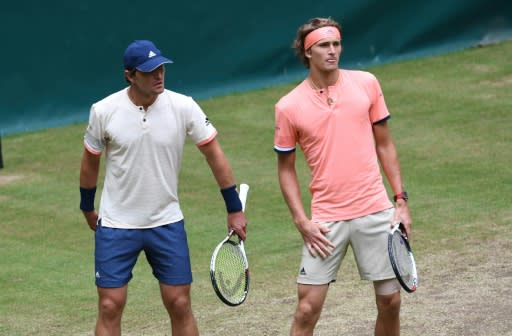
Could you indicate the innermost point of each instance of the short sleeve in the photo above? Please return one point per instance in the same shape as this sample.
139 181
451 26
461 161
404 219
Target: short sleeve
94 140
285 138
199 128
378 109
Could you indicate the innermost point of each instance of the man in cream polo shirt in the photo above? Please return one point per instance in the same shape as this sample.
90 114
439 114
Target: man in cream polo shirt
142 130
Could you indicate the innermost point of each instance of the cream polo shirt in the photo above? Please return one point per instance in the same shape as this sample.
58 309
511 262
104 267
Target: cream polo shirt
143 154
338 144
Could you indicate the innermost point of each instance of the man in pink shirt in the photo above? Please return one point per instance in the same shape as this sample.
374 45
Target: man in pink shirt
339 119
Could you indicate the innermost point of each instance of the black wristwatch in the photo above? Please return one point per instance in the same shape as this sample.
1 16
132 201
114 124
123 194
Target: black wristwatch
403 195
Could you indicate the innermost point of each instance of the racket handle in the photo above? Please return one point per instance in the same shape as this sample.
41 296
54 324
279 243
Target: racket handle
244 190
402 229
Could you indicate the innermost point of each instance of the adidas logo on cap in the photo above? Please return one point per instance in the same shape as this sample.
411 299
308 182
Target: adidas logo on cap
144 56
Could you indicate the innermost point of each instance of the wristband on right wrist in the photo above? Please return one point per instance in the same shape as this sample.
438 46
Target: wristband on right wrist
87 198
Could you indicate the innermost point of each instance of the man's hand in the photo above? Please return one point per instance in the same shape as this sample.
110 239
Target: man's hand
92 219
238 223
315 240
403 215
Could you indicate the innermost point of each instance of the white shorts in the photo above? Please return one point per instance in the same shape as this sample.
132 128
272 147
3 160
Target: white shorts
368 237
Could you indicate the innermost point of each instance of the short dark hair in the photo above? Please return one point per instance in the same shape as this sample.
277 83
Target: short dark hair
132 72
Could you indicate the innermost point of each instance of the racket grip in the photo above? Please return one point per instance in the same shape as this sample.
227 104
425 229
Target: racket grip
244 190
402 229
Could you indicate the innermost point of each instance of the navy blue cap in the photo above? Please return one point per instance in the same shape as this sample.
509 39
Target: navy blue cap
144 56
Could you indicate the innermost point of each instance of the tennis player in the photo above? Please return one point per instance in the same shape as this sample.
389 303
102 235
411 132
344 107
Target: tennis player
142 129
339 119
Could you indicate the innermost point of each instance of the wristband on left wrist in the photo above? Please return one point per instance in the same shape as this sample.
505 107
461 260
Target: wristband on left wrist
231 198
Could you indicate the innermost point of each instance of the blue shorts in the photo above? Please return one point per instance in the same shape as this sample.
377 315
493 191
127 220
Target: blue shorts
166 249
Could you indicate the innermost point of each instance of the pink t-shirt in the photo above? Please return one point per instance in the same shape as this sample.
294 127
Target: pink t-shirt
338 144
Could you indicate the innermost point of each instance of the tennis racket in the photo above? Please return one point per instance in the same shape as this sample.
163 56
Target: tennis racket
229 268
402 258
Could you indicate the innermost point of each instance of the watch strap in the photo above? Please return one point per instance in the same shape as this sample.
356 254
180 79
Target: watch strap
403 195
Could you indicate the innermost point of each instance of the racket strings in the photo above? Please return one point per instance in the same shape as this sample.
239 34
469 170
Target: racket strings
230 272
402 259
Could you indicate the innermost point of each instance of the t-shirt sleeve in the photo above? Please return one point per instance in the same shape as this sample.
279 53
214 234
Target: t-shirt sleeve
378 109
94 140
199 127
284 133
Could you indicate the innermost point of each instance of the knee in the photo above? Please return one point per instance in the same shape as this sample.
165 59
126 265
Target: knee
179 304
389 304
307 313
109 307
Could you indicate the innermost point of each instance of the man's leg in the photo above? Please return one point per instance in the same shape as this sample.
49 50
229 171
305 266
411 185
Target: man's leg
387 297
177 301
309 307
370 246
111 302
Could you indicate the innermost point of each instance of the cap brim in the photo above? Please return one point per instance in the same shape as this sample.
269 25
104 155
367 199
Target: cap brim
153 63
